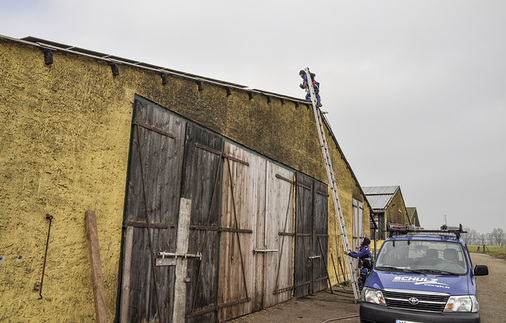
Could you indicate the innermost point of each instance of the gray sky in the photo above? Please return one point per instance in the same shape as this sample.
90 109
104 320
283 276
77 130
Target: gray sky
415 90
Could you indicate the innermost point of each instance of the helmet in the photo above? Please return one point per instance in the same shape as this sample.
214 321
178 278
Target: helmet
302 72
366 241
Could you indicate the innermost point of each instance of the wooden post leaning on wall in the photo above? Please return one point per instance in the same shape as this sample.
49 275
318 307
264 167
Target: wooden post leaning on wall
96 267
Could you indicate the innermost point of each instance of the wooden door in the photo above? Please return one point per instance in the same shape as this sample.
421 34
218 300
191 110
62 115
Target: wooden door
243 192
278 235
151 211
201 184
320 279
311 236
256 243
303 235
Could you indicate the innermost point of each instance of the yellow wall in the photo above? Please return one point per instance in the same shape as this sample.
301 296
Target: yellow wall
64 138
64 143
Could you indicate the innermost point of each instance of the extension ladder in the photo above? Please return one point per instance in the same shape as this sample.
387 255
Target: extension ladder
333 185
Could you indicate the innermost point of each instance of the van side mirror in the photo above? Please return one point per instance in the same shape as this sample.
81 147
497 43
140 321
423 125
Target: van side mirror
480 270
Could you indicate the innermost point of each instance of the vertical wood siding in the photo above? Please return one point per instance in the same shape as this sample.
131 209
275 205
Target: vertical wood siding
246 218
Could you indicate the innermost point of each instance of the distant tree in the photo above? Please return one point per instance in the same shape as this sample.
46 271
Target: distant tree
497 236
488 239
471 237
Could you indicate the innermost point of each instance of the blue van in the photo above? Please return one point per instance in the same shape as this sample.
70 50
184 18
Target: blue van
422 276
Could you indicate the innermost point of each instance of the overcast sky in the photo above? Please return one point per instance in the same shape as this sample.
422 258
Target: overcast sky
415 90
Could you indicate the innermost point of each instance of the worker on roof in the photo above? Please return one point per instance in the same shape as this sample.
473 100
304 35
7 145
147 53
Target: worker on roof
316 87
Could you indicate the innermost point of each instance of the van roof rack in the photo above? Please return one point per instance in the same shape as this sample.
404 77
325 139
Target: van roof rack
404 229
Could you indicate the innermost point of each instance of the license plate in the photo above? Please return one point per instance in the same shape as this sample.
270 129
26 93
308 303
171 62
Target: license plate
402 321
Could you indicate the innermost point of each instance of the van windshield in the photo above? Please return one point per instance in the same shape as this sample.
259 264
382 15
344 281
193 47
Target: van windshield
422 256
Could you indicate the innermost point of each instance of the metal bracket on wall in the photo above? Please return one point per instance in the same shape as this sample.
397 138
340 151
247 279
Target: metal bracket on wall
169 258
114 68
264 250
48 56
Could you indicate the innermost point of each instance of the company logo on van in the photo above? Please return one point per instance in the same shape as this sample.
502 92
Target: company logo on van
432 282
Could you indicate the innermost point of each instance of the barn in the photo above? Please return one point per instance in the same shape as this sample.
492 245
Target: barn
133 192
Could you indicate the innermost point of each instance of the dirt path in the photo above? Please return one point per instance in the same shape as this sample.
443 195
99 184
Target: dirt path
340 307
491 288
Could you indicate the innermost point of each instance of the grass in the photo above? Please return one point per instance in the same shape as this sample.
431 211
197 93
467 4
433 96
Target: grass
495 251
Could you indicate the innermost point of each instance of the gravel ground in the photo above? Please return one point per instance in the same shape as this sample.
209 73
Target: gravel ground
320 307
491 288
340 306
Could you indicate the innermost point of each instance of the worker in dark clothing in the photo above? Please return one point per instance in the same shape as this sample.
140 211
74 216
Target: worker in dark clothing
364 260
316 87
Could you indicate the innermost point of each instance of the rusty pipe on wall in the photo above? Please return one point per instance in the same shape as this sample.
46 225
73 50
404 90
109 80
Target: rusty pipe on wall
50 218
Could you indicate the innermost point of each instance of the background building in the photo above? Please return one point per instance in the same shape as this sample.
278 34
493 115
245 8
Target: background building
388 207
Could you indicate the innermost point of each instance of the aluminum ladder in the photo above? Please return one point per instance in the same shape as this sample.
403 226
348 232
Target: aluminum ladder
333 185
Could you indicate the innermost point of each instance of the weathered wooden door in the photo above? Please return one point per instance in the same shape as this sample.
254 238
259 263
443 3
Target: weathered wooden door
310 236
320 238
151 211
242 197
278 235
201 184
256 234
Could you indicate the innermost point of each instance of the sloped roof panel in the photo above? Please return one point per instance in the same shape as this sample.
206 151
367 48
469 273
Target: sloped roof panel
374 190
380 196
379 202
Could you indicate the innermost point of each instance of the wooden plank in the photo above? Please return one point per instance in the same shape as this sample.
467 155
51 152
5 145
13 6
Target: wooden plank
220 229
181 265
143 224
125 277
155 129
96 267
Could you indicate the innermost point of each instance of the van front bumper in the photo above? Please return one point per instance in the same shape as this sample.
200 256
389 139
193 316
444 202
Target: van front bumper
372 313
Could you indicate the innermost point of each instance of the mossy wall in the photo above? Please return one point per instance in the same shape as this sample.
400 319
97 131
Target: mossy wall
64 144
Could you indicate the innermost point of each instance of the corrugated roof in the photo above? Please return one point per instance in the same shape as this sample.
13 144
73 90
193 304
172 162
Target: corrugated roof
380 196
375 190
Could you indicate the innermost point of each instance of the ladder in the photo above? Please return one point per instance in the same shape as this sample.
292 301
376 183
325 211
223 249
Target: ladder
333 185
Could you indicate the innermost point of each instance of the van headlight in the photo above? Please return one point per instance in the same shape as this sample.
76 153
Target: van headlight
467 303
371 295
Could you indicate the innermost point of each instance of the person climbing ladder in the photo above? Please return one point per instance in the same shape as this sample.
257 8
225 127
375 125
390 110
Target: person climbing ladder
316 86
365 264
